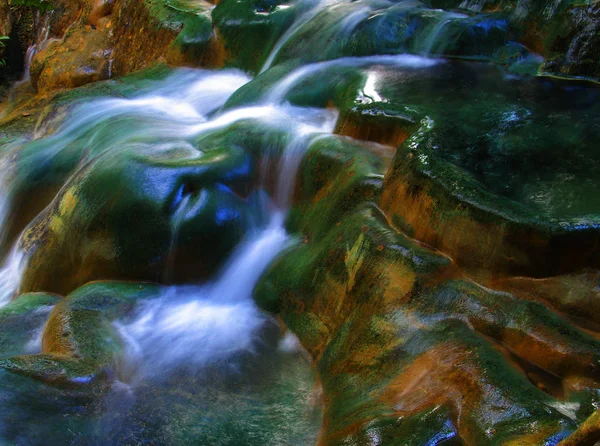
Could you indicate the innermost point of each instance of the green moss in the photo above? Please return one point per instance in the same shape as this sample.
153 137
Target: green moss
81 323
190 20
22 317
250 29
26 303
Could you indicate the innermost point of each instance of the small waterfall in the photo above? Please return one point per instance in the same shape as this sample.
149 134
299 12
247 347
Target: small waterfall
182 203
339 30
433 40
10 276
43 35
291 32
194 326
11 270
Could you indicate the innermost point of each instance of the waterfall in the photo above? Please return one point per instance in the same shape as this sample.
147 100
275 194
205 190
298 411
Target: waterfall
11 269
433 39
42 25
351 14
291 32
192 326
178 218
10 276
195 324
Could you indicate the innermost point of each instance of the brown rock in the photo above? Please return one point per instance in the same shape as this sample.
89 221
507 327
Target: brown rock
81 58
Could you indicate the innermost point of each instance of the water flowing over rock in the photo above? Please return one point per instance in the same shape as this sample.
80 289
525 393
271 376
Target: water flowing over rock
294 222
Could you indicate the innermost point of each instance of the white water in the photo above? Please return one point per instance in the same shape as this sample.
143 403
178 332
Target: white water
184 99
195 326
198 325
178 106
178 219
350 14
433 41
12 268
41 39
10 276
291 32
278 93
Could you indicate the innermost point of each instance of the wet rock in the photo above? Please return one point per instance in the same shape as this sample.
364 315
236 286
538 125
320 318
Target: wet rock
101 9
472 175
90 41
575 295
83 57
480 183
80 345
374 122
564 32
587 433
6 19
250 29
119 217
157 31
403 341
373 28
36 172
22 321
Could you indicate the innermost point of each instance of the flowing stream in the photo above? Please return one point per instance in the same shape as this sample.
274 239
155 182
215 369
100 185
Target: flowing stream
209 336
206 165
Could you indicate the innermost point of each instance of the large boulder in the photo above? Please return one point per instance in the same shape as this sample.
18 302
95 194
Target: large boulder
406 346
91 41
565 32
140 214
499 174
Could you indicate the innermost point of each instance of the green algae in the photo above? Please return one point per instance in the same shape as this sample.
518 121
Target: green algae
20 319
251 29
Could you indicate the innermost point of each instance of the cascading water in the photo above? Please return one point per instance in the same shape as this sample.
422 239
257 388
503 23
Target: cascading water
137 228
433 44
42 24
194 326
10 276
197 330
199 325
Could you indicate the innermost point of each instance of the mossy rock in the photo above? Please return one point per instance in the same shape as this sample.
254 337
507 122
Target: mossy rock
21 320
401 336
504 184
140 215
80 345
376 28
35 163
473 175
83 57
250 29
152 31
